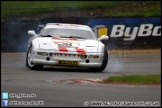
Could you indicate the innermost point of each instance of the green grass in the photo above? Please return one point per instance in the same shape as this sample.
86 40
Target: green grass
28 8
151 11
134 79
47 4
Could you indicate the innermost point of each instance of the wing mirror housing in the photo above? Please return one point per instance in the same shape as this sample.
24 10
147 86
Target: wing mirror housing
103 37
32 33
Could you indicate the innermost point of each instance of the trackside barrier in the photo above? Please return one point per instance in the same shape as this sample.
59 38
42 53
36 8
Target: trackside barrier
129 31
121 31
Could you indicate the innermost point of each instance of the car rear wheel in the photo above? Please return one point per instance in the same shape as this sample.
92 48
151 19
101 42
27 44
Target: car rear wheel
29 62
104 63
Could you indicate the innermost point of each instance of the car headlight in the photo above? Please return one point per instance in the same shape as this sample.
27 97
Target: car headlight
91 49
45 46
42 53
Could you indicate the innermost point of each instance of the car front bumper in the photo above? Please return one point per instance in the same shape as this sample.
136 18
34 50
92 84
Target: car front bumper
49 57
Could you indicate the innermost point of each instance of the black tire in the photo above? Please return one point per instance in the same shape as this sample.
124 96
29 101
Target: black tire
104 63
29 63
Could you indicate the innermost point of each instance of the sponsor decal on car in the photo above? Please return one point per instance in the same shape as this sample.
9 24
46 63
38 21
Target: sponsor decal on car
66 46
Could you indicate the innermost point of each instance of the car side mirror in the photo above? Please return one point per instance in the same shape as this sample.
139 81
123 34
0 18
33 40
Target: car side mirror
32 33
103 37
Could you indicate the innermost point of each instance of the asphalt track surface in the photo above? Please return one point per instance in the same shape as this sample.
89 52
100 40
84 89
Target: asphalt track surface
48 88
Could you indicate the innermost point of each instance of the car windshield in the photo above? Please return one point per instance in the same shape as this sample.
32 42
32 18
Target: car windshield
67 33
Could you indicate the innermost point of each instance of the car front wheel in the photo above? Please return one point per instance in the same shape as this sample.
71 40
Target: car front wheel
29 62
104 63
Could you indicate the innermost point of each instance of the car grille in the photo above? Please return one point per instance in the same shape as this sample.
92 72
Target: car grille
71 56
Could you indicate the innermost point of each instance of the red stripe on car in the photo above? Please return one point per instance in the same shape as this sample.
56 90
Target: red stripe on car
72 38
80 51
55 38
55 42
62 49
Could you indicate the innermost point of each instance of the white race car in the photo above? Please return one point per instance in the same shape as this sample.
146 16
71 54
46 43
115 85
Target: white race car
60 44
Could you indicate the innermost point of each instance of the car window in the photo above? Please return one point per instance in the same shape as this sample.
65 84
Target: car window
56 32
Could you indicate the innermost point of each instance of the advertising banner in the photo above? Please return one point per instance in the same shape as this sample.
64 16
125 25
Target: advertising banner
129 31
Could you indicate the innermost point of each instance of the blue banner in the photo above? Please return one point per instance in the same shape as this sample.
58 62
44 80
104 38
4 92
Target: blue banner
130 30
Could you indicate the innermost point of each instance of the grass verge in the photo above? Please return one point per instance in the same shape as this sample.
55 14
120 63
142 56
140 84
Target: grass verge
135 9
29 8
154 79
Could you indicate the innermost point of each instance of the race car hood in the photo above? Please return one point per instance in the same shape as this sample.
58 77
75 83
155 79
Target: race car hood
69 44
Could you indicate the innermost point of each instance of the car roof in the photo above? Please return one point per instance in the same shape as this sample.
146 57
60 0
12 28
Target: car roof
67 26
